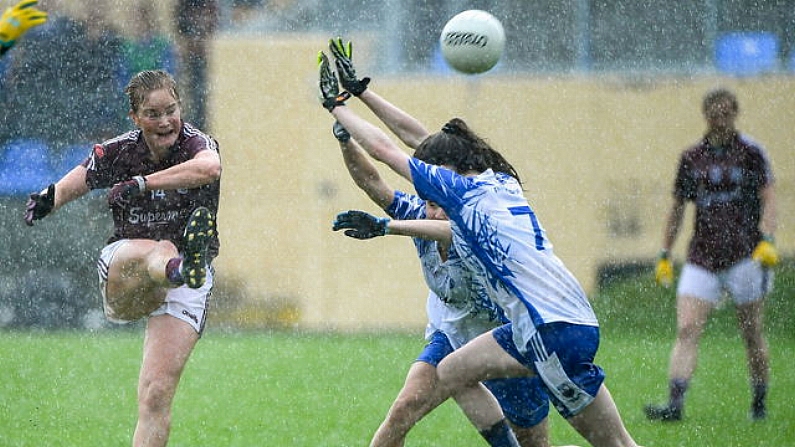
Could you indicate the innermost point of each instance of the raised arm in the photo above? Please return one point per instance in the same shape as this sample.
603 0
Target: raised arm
370 137
407 128
362 170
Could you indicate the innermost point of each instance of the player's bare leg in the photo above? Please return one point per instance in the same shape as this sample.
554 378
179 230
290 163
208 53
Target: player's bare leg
137 283
749 318
411 404
691 318
168 344
600 423
460 374
535 436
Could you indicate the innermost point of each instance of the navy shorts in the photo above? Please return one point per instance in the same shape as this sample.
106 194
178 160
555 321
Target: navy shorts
524 400
562 355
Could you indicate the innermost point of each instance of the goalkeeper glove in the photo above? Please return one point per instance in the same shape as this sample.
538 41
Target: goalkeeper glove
40 205
765 252
342 59
664 273
16 20
361 225
330 95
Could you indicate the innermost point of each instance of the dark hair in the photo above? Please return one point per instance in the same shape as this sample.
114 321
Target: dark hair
147 81
720 94
459 147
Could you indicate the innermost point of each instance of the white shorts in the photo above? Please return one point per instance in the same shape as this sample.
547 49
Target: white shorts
745 282
184 303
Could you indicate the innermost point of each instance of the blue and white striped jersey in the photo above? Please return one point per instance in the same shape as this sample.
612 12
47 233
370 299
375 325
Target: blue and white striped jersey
497 233
458 304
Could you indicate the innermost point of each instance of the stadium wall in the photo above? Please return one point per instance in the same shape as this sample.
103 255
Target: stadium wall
597 156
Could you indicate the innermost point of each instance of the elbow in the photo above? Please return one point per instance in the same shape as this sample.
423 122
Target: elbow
211 171
214 172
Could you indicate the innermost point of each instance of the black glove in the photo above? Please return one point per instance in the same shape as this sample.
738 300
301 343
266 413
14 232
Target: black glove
342 58
121 193
341 133
329 86
361 225
40 205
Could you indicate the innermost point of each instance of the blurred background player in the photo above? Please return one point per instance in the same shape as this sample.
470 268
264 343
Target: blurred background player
197 21
71 57
728 178
16 20
164 180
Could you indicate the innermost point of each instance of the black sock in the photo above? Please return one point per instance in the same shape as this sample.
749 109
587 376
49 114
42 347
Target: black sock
500 435
678 388
760 392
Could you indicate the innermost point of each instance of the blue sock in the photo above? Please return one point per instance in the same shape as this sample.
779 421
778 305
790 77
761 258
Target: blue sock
500 435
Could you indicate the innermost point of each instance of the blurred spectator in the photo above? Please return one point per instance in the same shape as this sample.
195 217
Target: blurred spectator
197 21
63 82
242 10
148 48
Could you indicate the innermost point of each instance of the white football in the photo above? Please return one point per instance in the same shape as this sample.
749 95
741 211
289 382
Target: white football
472 41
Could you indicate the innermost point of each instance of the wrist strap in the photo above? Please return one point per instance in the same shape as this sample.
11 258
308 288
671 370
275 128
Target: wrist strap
384 221
769 238
664 254
141 180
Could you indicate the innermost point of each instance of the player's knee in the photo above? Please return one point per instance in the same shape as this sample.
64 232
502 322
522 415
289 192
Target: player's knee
155 396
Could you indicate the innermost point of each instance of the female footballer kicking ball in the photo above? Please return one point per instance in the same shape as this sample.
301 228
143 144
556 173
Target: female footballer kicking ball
164 190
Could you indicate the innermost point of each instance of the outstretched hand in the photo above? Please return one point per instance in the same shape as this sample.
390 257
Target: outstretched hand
330 95
40 205
361 225
343 53
17 19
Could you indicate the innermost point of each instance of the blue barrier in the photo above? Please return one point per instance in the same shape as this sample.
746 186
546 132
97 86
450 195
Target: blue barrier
747 53
24 167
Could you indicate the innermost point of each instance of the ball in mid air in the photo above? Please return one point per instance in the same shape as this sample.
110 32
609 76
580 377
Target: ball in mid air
472 41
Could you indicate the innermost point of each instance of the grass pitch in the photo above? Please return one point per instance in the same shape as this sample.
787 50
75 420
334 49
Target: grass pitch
318 389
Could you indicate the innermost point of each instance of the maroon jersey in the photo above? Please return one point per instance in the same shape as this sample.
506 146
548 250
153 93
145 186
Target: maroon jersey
724 183
158 214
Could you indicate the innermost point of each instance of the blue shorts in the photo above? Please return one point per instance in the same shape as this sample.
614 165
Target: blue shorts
523 400
562 355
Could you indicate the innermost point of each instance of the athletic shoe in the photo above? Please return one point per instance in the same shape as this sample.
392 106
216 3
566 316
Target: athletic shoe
198 232
665 413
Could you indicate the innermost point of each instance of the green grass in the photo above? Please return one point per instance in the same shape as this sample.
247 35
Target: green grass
73 389
294 389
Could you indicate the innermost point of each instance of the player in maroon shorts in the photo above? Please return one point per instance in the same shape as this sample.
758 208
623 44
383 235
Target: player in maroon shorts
164 189
729 179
